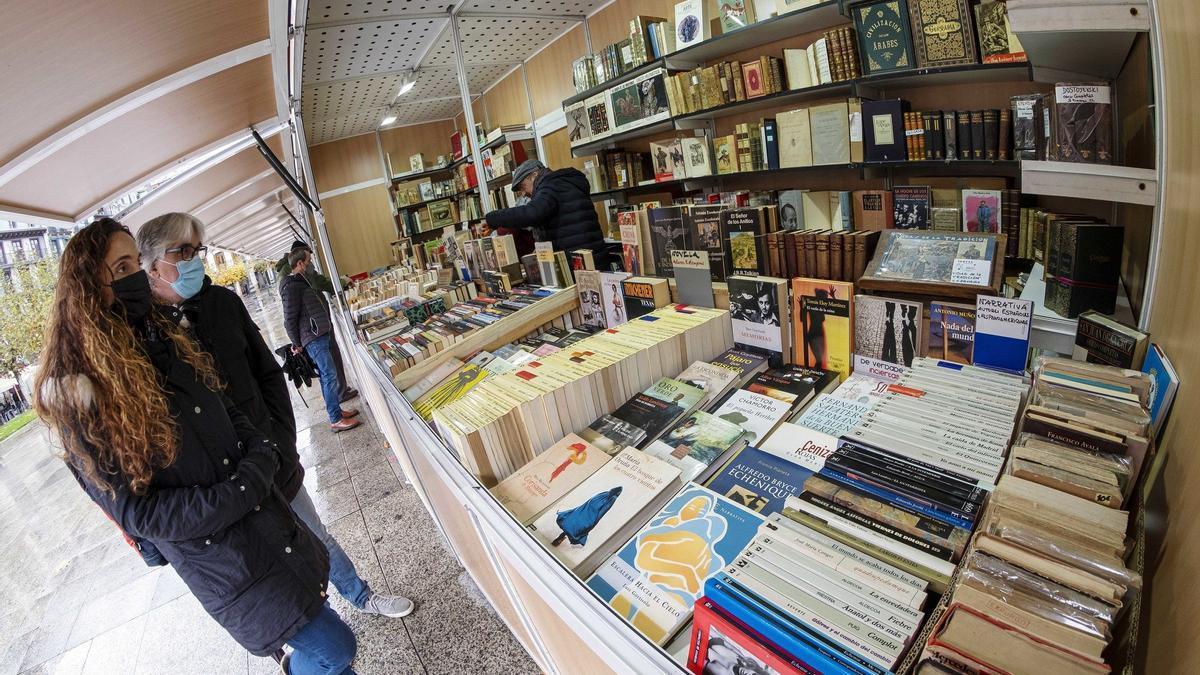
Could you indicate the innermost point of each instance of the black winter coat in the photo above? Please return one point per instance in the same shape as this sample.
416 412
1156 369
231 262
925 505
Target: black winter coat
305 311
562 207
253 378
217 517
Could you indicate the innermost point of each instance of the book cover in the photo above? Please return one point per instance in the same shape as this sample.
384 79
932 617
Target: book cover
830 128
705 222
1100 339
758 307
793 385
747 241
548 477
733 642
883 129
911 205
873 210
997 41
656 578
884 36
695 443
887 329
652 97
591 304
644 295
578 128
795 138
791 210
745 364
752 74
579 527
823 321
756 414
599 116
612 298
735 14
631 243
833 416
942 32
1083 122
697 163
951 332
690 26
668 232
725 154
759 480
1002 328
981 210
660 156
653 411
1164 383
693 278
714 379
800 445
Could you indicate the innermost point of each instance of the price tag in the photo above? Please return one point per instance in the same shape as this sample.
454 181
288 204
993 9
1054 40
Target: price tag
970 272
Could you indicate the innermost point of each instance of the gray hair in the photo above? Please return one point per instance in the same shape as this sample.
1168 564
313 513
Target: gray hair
158 234
296 256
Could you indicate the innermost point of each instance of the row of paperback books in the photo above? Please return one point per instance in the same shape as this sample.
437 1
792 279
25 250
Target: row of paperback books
1045 580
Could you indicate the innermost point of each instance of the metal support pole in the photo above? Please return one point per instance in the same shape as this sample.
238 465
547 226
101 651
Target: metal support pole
485 199
537 136
587 36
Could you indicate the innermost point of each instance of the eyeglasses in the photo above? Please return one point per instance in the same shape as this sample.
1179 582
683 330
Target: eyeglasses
187 251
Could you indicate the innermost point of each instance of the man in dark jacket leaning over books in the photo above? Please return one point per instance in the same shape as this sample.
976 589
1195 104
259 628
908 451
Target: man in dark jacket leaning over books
561 207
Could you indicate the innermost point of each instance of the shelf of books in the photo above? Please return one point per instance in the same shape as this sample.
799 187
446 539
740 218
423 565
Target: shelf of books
868 390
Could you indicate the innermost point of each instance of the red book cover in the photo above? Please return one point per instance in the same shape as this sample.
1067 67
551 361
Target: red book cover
721 643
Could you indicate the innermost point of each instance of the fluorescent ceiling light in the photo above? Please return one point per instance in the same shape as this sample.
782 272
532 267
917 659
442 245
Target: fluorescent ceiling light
387 120
407 84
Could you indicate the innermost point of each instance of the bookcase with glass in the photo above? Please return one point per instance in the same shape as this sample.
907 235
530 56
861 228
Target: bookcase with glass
866 391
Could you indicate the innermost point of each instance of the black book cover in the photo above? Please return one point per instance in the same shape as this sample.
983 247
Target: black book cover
1028 126
910 206
745 233
1090 252
793 385
978 147
705 224
668 232
909 480
991 133
964 135
927 122
849 446
883 129
879 527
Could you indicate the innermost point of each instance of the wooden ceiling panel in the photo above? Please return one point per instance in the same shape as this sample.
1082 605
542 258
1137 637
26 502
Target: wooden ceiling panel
65 59
212 183
151 137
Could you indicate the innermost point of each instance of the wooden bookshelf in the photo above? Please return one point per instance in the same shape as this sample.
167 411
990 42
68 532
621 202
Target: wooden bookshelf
1101 182
510 328
456 195
427 173
1071 40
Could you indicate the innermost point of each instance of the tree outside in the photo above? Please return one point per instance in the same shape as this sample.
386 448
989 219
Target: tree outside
25 302
230 275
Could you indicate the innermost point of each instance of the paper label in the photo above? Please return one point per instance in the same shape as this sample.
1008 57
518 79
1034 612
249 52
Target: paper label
1024 109
1003 317
856 135
694 260
879 370
1083 93
970 272
882 124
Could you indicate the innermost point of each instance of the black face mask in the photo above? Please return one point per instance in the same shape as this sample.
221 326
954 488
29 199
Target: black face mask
133 299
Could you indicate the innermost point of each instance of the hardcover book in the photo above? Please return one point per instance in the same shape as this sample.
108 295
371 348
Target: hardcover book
697 163
823 320
887 329
755 81
656 578
911 204
1100 339
756 414
693 278
883 129
951 332
668 232
585 527
884 36
942 32
550 476
758 307
644 295
696 443
759 480
1083 122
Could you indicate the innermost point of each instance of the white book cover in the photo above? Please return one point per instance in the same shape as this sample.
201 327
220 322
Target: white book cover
585 521
800 445
690 26
697 160
757 414
579 130
835 415
612 298
550 475
796 61
795 140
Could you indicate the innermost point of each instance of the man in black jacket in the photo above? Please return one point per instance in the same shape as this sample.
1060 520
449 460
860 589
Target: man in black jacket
172 255
561 209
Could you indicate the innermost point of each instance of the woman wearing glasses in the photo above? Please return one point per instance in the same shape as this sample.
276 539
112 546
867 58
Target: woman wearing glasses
153 441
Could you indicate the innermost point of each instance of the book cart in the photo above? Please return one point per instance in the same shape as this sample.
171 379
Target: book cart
555 616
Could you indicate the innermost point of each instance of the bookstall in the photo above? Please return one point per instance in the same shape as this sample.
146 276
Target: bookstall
745 445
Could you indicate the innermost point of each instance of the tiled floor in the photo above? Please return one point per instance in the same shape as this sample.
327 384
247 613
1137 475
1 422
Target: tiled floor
76 599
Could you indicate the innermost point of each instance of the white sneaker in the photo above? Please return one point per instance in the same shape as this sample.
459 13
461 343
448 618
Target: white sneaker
392 606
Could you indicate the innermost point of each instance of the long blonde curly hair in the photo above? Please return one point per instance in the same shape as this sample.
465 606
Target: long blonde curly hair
96 387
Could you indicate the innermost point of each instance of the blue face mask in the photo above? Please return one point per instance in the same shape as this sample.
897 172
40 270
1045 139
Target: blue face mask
191 277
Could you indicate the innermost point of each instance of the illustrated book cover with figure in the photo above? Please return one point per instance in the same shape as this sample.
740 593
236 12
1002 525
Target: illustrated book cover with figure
951 332
651 412
613 298
591 302
656 578
756 414
758 307
668 231
579 130
696 443
887 329
705 222
911 204
981 211
940 257
625 101
550 476
823 323
590 522
696 157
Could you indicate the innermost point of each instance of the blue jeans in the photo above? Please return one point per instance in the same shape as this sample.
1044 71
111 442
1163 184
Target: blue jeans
324 646
342 574
320 353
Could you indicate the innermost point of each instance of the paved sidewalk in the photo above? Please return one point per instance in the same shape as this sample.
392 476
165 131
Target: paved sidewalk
77 599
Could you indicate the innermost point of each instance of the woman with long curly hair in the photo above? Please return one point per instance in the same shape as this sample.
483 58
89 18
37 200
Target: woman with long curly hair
154 442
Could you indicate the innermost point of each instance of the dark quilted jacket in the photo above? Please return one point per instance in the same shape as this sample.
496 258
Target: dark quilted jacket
217 517
562 208
305 312
253 378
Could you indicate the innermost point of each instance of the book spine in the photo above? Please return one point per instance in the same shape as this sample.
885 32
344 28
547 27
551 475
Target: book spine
1002 147
927 494
949 129
821 247
991 133
835 256
964 135
927 122
878 527
978 142
847 255
826 550
906 476
797 241
920 506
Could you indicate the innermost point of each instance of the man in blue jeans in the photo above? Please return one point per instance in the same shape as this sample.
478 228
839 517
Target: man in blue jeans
309 327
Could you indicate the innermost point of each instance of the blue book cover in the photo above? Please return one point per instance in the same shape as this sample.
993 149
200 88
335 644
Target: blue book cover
1164 383
759 480
922 507
784 633
1002 328
656 578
